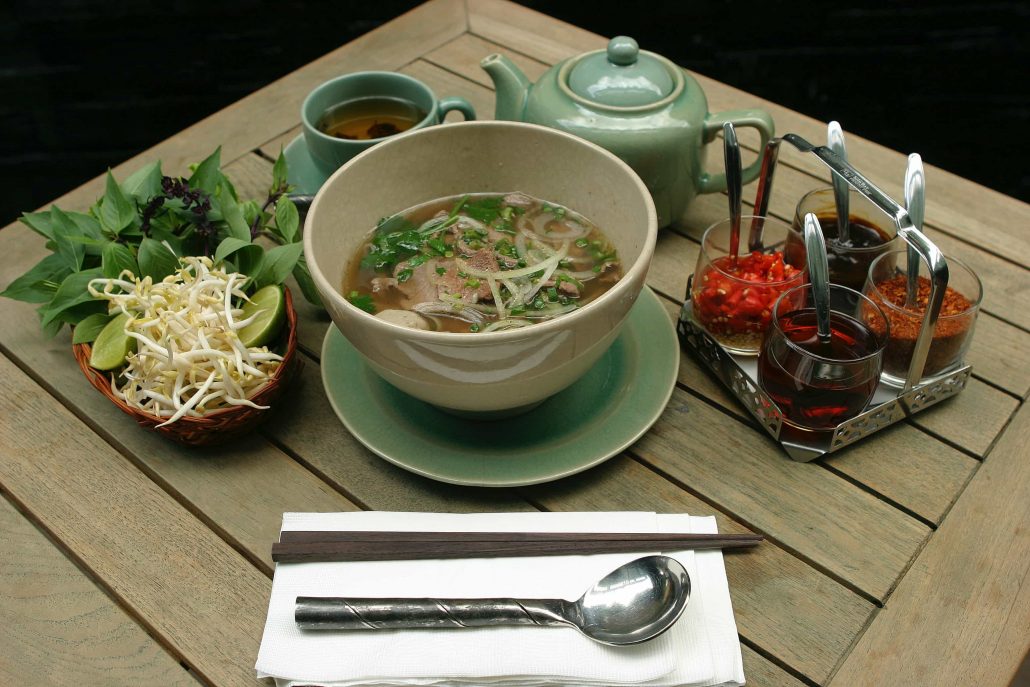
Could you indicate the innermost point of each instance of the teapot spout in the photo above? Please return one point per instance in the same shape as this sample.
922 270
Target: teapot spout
511 85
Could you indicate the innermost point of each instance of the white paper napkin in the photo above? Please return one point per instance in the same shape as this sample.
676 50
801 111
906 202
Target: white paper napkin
522 656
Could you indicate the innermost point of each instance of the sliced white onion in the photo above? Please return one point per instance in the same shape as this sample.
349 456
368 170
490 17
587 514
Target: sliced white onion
502 325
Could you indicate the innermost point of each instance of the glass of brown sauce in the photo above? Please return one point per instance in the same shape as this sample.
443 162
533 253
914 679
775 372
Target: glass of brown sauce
870 235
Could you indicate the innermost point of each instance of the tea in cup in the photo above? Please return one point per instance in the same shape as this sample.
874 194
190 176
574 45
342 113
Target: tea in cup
353 112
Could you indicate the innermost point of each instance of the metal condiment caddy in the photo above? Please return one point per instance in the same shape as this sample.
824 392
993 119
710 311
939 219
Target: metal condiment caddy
889 404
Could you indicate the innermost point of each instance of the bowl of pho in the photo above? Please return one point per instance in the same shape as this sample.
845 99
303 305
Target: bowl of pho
482 266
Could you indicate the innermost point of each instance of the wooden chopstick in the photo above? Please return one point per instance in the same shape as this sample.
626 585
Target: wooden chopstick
391 536
298 547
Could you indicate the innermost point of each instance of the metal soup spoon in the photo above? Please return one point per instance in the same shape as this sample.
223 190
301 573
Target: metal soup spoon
734 184
634 603
818 277
915 204
835 142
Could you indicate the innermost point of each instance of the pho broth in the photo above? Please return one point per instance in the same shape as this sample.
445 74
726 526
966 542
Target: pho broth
480 263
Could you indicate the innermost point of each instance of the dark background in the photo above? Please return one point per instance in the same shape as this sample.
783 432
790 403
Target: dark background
87 84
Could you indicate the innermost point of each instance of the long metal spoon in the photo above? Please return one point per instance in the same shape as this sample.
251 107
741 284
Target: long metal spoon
763 194
915 204
818 276
835 142
634 603
734 184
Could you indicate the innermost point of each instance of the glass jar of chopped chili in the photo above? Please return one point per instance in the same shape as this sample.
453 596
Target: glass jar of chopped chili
887 286
733 296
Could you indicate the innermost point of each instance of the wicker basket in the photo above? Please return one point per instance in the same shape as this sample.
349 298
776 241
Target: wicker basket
219 425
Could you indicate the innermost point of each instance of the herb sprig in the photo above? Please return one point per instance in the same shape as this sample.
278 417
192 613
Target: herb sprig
145 224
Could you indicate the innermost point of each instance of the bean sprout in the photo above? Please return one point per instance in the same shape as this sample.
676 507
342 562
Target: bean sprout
189 359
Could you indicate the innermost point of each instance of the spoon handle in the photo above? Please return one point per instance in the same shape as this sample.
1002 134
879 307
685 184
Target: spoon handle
763 194
336 613
835 142
734 184
818 275
915 203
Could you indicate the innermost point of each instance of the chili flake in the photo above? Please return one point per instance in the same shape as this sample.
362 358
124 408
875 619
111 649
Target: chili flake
949 337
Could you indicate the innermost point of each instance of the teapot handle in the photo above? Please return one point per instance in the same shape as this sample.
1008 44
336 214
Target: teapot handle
756 119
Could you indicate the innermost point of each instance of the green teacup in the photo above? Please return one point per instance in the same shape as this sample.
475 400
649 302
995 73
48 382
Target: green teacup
365 108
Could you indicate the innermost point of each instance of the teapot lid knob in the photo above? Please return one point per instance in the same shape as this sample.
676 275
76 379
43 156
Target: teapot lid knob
621 76
623 50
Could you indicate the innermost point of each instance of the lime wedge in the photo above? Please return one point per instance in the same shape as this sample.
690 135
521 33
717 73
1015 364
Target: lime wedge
112 345
269 304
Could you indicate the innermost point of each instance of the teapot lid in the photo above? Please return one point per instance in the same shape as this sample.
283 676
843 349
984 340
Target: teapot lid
621 76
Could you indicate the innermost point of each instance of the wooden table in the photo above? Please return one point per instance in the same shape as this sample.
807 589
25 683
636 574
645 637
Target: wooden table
903 560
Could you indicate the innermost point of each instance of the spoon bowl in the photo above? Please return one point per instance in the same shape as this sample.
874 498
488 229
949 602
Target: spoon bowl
634 603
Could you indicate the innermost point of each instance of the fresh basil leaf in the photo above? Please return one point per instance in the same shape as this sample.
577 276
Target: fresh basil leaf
89 242
164 232
50 327
207 174
71 251
279 173
307 285
70 293
75 314
117 210
89 328
39 222
228 246
250 260
242 256
287 219
88 225
156 260
144 183
233 216
39 283
251 212
225 186
116 258
278 264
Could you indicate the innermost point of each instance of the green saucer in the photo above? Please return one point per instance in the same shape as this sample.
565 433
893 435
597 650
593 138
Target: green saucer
300 168
594 419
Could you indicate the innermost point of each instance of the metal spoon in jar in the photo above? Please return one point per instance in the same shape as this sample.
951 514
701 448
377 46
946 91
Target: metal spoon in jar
634 603
818 276
763 194
734 184
835 142
915 204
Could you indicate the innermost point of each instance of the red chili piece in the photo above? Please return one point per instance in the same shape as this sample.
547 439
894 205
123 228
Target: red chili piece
741 305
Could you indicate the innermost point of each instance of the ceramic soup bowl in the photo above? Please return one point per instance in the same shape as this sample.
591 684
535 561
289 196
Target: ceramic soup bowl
489 373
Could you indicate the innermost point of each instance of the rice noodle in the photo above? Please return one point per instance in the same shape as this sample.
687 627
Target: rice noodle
511 274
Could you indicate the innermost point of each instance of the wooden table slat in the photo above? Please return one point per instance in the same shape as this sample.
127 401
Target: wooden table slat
58 628
131 534
962 614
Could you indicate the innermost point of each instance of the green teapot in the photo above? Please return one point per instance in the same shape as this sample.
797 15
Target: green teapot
638 105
